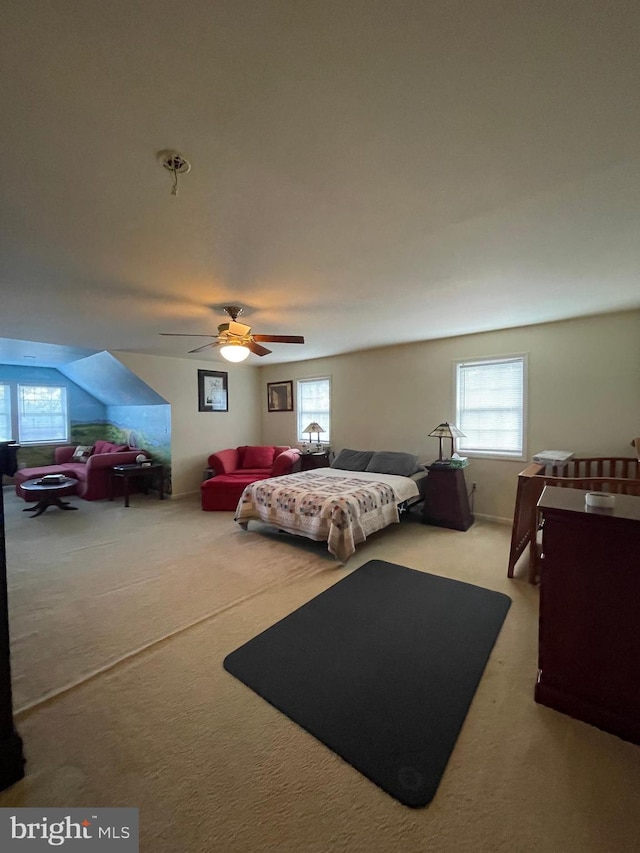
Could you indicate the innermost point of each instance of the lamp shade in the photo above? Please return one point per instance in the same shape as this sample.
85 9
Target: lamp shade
313 427
447 430
234 352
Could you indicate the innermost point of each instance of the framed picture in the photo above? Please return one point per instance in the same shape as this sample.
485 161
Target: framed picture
212 391
280 396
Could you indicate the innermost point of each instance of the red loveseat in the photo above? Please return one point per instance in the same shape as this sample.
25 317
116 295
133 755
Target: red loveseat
236 467
93 475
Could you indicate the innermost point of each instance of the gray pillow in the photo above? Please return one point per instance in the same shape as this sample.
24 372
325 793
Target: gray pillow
352 460
390 462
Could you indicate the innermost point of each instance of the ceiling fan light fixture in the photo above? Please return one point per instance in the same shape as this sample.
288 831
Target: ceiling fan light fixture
236 340
235 352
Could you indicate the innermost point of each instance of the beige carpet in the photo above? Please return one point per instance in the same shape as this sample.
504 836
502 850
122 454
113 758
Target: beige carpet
90 587
214 768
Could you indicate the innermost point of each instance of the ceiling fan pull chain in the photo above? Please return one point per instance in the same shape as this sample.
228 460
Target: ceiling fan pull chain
175 163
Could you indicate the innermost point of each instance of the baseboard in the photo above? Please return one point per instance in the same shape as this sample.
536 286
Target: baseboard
496 519
177 495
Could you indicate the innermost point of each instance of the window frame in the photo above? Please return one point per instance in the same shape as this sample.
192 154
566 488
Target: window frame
523 357
9 413
16 397
304 437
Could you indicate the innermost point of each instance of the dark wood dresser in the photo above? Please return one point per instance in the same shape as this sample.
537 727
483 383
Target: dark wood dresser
589 633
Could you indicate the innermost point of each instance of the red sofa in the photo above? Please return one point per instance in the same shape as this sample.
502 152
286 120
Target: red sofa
93 475
236 467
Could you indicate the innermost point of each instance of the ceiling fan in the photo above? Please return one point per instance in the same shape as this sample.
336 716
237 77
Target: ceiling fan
235 339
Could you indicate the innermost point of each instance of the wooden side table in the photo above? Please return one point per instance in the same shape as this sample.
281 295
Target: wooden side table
134 471
309 461
446 502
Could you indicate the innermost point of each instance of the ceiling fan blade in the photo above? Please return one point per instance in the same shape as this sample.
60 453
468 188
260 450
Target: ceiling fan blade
279 339
199 349
185 335
256 349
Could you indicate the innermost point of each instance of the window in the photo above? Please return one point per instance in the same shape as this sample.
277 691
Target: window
5 413
42 413
314 405
490 406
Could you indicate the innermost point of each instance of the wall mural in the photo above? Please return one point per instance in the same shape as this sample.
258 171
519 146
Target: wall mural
83 406
145 424
146 427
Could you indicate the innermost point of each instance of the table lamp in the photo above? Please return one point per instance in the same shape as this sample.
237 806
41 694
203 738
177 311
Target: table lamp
314 427
447 430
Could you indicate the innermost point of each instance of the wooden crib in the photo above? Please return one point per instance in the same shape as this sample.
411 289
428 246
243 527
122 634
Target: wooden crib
614 474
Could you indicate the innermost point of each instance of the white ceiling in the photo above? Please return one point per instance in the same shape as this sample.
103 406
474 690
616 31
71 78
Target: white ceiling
364 172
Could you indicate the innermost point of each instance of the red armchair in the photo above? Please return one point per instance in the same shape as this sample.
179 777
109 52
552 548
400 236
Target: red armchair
236 467
93 476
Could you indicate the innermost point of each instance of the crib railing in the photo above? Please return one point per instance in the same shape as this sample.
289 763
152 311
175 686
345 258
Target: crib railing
619 475
625 468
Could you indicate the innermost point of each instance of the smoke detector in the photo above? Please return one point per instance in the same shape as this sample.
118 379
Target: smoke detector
175 163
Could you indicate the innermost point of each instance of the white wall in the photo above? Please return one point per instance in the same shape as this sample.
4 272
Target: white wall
194 434
584 395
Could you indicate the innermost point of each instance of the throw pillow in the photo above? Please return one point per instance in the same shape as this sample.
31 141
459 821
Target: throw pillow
82 453
390 462
352 460
258 457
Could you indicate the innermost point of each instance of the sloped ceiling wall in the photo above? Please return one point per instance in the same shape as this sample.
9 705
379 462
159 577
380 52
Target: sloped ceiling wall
111 382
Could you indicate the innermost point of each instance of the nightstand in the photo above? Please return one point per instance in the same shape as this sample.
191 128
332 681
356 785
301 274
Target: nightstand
446 502
309 461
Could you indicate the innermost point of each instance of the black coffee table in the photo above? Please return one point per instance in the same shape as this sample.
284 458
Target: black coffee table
48 494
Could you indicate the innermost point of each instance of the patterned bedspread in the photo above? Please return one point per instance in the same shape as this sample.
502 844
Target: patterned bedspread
341 510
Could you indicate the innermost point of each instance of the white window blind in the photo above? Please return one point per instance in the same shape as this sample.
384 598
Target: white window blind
490 407
314 405
42 413
5 413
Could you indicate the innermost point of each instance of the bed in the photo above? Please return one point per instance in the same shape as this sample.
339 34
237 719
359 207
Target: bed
337 505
